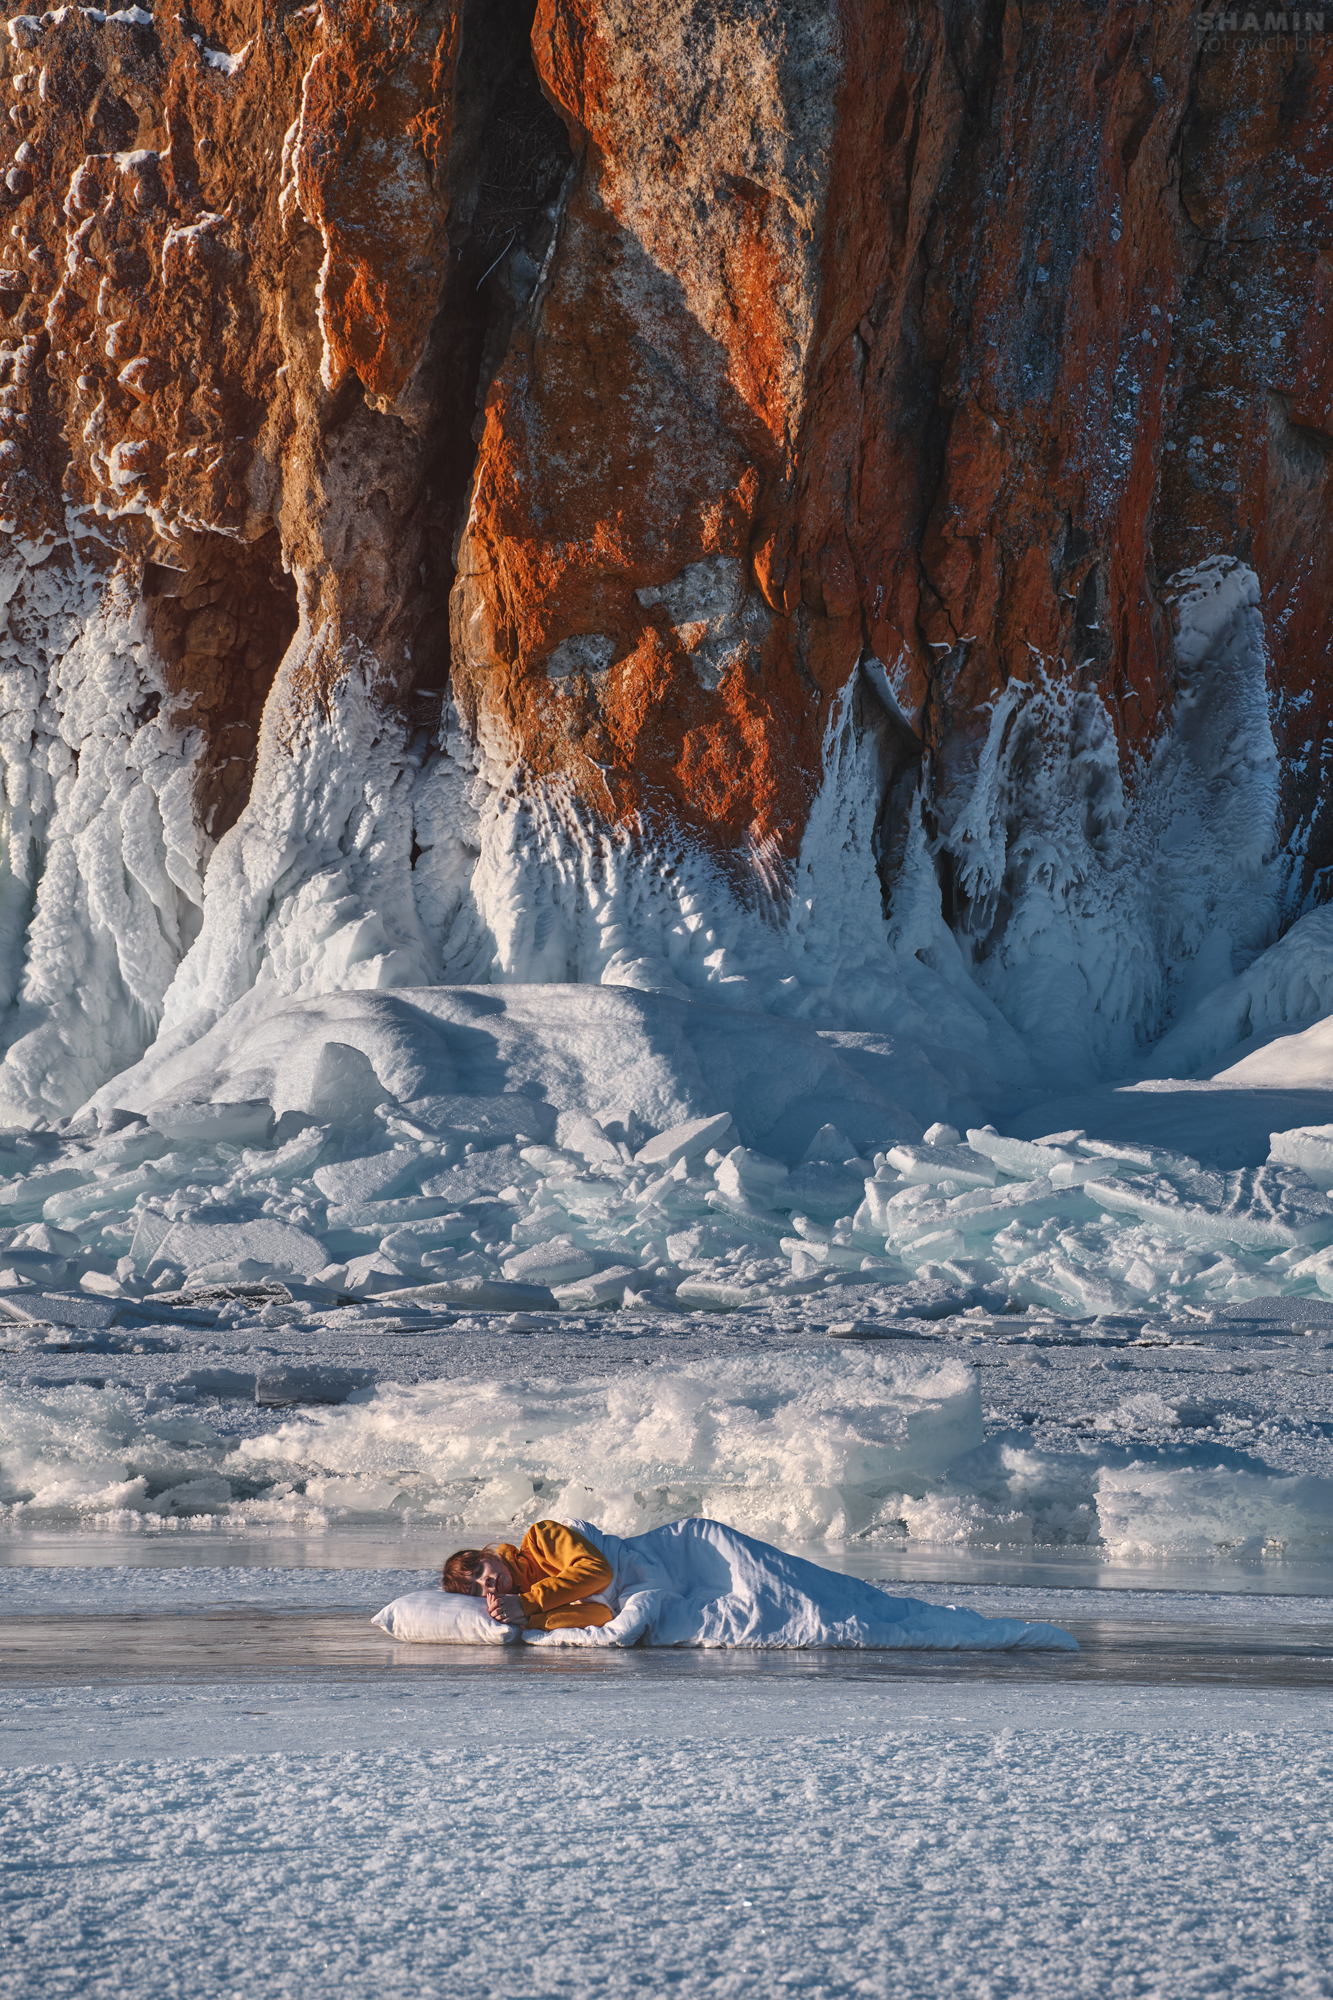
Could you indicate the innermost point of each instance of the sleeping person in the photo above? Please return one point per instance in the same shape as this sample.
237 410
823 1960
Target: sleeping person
692 1582
553 1581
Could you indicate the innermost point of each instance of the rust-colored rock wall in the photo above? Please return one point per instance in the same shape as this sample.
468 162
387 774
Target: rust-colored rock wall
719 347
647 416
232 324
946 333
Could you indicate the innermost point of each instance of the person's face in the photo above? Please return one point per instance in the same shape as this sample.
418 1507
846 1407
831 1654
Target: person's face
494 1575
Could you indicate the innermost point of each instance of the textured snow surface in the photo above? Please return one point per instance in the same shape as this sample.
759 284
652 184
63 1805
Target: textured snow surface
886 1839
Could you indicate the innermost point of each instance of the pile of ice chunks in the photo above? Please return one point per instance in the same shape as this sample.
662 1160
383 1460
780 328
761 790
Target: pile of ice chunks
457 1202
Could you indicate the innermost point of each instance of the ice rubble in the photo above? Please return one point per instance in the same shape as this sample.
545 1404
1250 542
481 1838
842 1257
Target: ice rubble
813 1444
805 1448
566 1150
797 1446
597 1146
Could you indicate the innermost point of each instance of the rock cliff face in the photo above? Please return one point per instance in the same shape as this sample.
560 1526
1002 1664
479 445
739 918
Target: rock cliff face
418 412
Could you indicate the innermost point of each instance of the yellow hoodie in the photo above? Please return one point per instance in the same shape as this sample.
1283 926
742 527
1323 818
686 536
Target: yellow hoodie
555 1571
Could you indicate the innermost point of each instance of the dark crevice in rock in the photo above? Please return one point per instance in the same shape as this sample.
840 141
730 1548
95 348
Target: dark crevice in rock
222 614
508 158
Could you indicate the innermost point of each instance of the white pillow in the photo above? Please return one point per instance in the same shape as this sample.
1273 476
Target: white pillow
444 1618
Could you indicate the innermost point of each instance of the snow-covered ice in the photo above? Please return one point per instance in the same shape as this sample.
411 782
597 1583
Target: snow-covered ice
711 1837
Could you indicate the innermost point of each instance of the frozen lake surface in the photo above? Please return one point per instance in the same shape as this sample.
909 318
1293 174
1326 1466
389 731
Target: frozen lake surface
220 1778
689 1824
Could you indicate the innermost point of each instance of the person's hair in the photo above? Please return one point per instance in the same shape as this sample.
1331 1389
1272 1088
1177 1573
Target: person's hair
460 1572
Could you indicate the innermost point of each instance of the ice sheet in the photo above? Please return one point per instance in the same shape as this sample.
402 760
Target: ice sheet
120 1588
698 1838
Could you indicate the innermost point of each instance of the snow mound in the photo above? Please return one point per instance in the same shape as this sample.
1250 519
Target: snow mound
802 1447
584 1049
1289 984
1302 1061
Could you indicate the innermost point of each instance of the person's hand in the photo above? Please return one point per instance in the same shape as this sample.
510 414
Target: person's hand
506 1609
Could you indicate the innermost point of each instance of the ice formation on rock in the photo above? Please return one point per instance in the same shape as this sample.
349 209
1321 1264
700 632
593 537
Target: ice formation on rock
731 667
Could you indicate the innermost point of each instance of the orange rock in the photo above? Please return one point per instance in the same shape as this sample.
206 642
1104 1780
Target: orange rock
369 158
803 332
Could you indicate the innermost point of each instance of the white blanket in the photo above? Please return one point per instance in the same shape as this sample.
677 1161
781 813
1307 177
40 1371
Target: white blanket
699 1583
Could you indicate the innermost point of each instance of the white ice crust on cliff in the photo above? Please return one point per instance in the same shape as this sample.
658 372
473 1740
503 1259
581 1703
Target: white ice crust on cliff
101 857
1095 914
312 889
1091 916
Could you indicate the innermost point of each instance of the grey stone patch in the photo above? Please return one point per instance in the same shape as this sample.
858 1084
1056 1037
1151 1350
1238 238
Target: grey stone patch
584 653
717 619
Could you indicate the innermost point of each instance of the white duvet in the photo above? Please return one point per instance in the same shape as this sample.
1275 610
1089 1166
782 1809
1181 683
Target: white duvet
700 1583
